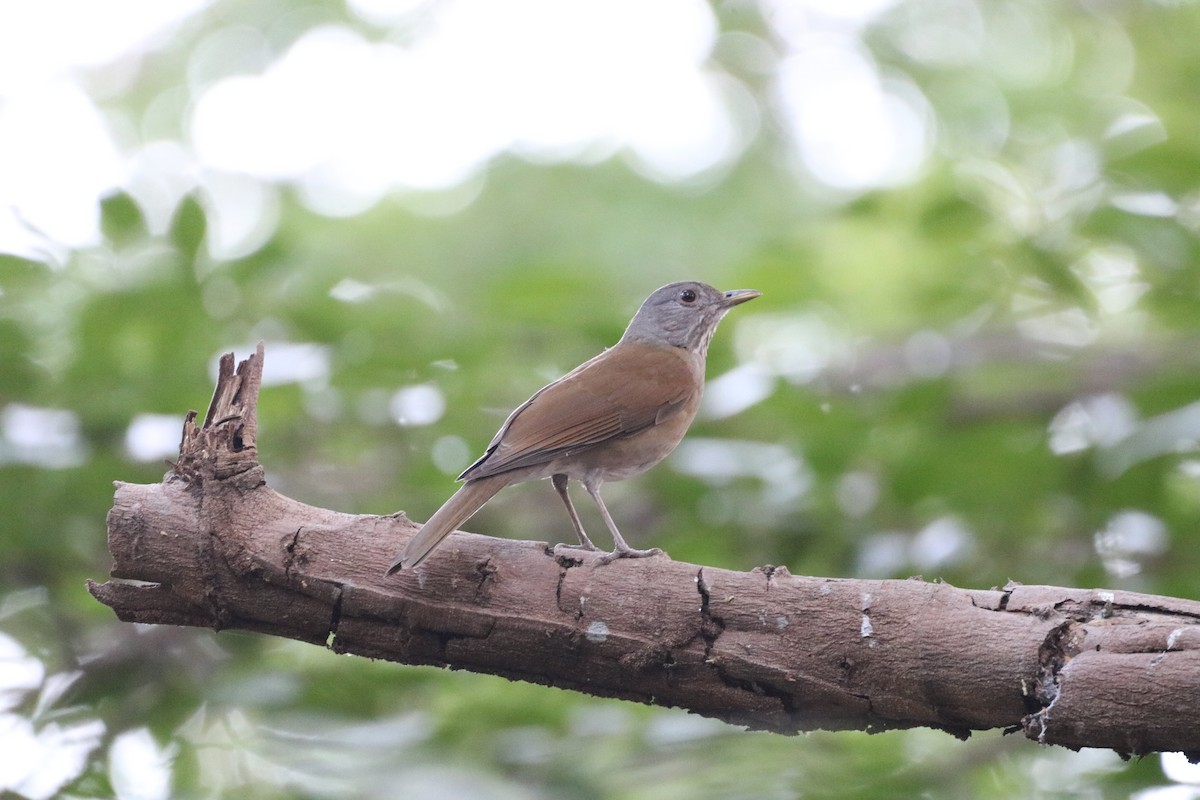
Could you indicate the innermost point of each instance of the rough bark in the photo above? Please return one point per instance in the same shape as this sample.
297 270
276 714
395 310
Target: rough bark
213 546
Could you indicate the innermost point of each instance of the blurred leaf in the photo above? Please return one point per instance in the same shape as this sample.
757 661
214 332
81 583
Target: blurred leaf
938 356
121 219
188 228
17 374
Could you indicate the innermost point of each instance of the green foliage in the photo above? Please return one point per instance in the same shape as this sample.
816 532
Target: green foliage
975 376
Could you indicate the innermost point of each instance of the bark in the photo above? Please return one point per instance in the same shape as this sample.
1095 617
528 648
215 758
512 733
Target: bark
213 546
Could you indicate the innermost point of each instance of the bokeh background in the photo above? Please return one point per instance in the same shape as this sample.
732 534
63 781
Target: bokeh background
974 224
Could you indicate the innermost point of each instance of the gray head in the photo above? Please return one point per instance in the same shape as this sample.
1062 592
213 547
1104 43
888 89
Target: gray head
684 314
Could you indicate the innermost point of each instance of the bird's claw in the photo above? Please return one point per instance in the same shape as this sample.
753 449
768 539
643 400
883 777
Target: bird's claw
629 552
589 547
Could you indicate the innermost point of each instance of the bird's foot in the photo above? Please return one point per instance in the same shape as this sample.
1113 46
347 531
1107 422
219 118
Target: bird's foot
629 552
588 547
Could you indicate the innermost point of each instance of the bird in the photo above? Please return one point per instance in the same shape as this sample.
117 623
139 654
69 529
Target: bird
612 417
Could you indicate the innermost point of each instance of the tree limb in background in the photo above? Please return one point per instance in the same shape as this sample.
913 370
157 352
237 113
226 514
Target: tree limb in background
213 546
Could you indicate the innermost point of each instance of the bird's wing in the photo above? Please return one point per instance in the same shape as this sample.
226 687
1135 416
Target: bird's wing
621 391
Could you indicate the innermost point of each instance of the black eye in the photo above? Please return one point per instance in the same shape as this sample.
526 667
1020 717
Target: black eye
687 296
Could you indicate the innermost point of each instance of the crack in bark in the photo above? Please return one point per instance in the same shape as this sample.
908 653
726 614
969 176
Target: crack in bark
1104 606
771 571
486 571
289 559
710 630
711 626
335 614
221 618
565 563
1061 644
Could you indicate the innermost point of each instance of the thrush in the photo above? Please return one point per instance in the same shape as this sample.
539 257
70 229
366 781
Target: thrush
612 417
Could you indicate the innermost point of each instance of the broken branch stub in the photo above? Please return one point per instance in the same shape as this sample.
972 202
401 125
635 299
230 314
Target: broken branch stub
213 546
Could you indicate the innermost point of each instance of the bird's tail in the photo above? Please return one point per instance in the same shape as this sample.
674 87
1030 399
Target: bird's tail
454 512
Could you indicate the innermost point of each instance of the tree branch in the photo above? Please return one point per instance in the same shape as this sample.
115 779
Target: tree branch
213 546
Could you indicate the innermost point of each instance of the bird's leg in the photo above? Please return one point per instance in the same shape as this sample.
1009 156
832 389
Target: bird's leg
560 485
620 548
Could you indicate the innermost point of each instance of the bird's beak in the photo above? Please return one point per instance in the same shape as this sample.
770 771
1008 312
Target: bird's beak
737 296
